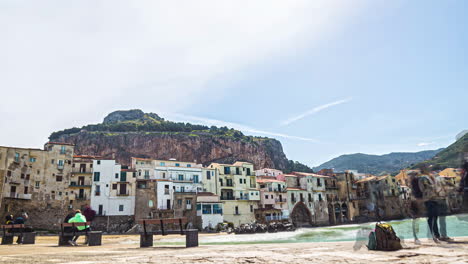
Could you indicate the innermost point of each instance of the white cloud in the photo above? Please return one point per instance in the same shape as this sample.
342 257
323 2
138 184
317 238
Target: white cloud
219 123
67 63
423 144
314 111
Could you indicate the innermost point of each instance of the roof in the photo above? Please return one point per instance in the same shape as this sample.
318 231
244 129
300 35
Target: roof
268 180
87 157
206 194
288 175
294 189
311 174
367 179
59 143
140 158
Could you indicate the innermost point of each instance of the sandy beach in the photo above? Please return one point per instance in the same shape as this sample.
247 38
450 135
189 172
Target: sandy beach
125 249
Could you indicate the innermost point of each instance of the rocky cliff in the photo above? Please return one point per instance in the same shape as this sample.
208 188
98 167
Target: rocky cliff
202 148
133 133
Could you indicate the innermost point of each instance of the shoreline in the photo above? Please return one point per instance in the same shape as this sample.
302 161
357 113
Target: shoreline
125 249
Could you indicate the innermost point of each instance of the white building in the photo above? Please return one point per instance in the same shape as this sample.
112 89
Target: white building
268 172
209 209
172 176
113 189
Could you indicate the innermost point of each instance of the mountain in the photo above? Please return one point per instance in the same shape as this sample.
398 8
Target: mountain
450 157
377 164
132 133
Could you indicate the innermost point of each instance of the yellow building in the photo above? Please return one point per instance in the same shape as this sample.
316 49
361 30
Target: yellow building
238 190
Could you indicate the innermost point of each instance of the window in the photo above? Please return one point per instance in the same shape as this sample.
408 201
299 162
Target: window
181 177
116 175
97 175
251 208
37 184
146 174
240 181
227 170
17 157
62 150
60 193
59 178
237 171
236 210
98 162
229 182
121 207
98 190
164 175
245 181
248 171
206 209
9 173
177 165
208 175
114 186
162 164
188 201
60 163
310 197
179 203
195 178
26 190
221 182
319 182
189 165
266 196
182 188
22 175
32 159
52 161
320 197
217 209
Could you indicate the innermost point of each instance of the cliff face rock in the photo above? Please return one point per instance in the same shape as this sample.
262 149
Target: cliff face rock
202 147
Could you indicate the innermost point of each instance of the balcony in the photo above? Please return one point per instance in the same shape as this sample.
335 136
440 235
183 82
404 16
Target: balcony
331 187
188 207
60 166
80 197
280 201
227 198
79 185
123 194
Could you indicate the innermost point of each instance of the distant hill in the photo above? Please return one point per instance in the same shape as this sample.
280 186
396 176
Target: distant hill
450 157
378 164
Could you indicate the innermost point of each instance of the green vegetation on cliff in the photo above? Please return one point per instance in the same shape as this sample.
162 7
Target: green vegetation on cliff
450 157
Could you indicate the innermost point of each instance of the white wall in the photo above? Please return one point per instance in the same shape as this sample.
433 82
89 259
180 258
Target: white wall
110 204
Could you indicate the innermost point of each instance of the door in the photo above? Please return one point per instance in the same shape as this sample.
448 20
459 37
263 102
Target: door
13 191
168 204
81 194
100 210
81 180
82 168
123 189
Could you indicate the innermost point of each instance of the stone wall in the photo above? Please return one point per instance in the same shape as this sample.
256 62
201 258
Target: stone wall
113 224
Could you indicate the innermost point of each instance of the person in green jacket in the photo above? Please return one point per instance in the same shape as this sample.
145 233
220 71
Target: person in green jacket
78 218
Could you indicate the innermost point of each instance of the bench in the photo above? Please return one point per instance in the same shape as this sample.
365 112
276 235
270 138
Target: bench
20 230
94 237
146 236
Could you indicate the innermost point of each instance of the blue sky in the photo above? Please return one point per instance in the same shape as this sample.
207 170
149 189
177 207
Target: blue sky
326 79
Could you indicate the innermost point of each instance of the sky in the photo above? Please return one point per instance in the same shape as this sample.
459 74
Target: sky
324 77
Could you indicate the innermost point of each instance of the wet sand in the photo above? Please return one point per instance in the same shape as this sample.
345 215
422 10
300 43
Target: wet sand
125 249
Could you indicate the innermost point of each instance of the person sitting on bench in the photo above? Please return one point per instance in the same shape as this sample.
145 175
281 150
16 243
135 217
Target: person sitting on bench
78 218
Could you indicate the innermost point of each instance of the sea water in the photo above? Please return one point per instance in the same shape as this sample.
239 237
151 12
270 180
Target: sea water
457 225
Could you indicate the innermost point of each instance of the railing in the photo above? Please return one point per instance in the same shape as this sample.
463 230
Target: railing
123 194
331 187
280 200
60 167
226 198
188 207
273 218
80 197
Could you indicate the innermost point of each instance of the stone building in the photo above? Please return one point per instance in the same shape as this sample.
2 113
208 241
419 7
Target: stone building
299 211
347 194
36 181
79 189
